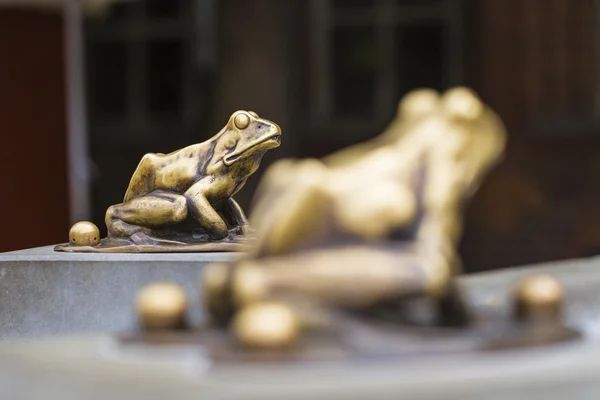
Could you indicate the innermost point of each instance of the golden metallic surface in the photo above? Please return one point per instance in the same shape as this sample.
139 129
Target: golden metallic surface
328 277
161 306
539 297
84 233
463 103
250 283
378 222
415 105
214 286
451 148
268 325
418 103
242 121
183 201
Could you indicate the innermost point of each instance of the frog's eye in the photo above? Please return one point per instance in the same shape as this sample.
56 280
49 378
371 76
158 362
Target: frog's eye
255 115
241 121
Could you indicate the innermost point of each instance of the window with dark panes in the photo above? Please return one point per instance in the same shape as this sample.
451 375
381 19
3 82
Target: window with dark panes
366 54
561 69
354 71
147 62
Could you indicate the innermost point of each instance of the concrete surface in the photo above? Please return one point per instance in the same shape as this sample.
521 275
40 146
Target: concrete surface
43 292
47 294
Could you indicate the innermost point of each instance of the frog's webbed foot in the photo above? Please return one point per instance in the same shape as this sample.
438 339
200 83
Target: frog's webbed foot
140 238
247 230
243 230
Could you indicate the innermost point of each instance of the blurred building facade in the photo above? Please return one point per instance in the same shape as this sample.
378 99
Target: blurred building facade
163 74
33 160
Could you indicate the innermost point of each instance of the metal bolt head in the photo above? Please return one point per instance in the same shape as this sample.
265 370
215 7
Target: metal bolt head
161 306
84 233
539 297
267 325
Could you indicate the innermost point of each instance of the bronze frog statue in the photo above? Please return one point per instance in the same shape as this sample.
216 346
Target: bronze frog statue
186 197
371 226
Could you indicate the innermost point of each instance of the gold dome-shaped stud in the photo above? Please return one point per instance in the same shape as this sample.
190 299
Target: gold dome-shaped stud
267 325
84 233
539 297
161 306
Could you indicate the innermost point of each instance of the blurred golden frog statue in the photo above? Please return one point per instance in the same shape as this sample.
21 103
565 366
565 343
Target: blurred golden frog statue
183 201
364 228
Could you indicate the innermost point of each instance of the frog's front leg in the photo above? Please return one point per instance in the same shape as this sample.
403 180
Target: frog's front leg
203 212
238 216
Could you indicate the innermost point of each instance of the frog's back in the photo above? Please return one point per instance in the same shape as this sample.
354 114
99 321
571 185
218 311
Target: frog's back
147 176
142 179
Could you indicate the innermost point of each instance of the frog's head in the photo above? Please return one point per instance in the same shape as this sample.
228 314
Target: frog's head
247 134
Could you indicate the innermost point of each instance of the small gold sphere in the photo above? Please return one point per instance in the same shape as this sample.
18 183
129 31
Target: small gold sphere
161 306
539 297
268 325
84 233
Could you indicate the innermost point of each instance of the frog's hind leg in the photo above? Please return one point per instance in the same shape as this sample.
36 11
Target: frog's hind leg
300 215
137 218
